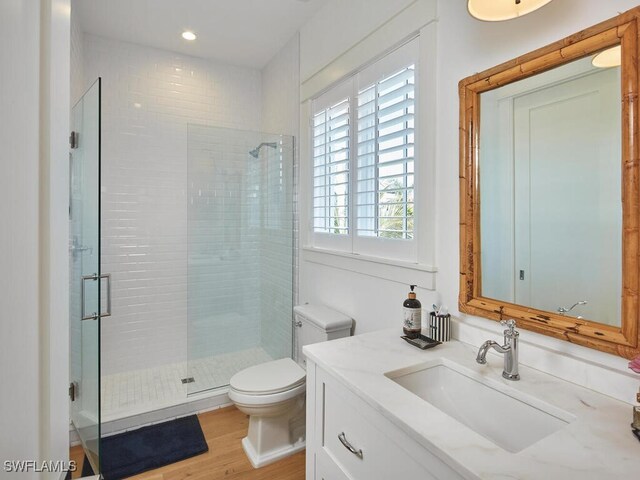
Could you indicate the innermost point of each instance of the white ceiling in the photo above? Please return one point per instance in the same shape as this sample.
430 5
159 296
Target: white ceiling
240 32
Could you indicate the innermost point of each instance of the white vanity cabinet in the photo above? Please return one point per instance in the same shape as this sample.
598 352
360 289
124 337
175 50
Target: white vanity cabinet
348 440
356 403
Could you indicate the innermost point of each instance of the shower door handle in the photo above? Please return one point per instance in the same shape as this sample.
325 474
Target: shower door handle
95 315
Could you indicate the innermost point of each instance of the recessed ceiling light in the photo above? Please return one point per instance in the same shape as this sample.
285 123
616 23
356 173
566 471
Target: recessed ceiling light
499 10
611 57
189 35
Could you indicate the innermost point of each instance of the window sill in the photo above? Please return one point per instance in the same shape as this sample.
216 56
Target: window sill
394 270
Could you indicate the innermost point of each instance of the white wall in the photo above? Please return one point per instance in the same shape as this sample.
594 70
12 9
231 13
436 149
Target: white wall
34 46
19 170
338 26
54 198
149 97
78 83
464 46
280 87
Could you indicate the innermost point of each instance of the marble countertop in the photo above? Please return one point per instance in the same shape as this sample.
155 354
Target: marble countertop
598 444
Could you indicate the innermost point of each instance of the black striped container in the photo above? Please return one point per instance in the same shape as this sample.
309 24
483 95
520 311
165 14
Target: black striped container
440 327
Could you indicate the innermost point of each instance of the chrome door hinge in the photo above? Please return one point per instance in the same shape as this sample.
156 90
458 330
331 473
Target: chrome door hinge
73 391
73 140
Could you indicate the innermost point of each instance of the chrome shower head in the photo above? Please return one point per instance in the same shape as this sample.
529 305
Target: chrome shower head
256 151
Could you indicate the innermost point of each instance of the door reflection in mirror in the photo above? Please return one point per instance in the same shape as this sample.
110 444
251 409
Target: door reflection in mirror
550 192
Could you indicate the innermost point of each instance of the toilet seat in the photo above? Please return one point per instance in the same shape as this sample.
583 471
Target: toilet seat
269 383
261 400
269 378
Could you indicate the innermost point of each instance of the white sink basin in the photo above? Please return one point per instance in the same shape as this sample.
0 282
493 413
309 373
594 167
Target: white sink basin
510 419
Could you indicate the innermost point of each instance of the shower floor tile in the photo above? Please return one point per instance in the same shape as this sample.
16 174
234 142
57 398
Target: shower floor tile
139 391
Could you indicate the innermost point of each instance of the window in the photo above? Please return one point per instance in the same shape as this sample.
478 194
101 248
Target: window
363 144
385 156
331 131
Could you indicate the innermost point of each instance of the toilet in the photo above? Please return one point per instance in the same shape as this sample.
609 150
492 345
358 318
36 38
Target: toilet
273 393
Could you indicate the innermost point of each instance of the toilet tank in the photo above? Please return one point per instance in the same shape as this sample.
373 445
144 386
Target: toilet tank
317 323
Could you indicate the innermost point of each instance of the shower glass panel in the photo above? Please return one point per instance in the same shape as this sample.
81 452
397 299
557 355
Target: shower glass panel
240 252
84 265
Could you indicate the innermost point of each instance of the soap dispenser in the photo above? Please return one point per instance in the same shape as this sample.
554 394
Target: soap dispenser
412 315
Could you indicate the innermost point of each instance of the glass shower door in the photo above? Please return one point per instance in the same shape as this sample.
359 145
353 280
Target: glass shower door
240 252
85 276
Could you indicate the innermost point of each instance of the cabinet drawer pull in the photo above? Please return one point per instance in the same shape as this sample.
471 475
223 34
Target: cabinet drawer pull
343 439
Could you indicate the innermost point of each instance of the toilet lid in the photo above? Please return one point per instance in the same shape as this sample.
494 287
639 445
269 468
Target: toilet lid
270 377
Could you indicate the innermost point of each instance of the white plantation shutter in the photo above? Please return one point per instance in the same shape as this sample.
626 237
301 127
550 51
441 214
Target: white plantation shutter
385 165
331 131
363 156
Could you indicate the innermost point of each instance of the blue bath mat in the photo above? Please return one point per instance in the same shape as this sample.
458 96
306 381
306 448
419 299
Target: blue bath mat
146 448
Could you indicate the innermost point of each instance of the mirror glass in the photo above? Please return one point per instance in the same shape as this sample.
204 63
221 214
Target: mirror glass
550 191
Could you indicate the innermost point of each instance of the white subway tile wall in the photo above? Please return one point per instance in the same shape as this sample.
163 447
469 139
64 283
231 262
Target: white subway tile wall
149 97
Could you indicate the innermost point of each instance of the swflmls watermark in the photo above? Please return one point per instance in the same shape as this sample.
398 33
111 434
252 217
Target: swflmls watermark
26 466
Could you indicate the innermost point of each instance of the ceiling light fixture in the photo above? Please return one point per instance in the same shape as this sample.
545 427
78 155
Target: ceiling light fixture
499 10
187 35
612 57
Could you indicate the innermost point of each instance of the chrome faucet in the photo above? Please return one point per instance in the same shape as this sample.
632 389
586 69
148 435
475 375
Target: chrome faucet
509 349
563 310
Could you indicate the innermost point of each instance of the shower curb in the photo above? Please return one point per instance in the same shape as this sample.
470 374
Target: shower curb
198 404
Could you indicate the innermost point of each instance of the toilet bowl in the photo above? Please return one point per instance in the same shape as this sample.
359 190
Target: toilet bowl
273 393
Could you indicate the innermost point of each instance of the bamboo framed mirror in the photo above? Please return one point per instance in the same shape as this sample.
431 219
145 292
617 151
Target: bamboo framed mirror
550 189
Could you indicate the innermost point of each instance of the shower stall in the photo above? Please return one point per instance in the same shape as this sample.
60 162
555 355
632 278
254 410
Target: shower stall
200 254
181 269
181 231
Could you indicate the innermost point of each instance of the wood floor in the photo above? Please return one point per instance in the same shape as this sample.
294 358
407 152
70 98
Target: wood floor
223 430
